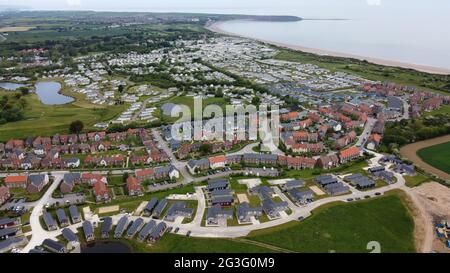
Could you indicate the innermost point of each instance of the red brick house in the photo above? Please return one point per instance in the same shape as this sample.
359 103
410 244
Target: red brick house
18 181
101 192
4 194
134 187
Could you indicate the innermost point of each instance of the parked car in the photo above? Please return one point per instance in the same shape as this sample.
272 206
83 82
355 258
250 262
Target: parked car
367 196
176 230
378 193
188 233
350 199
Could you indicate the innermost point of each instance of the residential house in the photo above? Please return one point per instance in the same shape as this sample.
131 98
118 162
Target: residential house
122 225
4 194
157 232
62 218
74 214
69 181
328 161
178 209
198 165
146 230
301 197
349 154
106 227
16 181
157 211
244 212
49 221
36 182
134 187
150 206
54 246
217 161
88 230
135 227
215 213
101 192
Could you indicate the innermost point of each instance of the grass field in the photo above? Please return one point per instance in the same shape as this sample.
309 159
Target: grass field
45 120
335 227
416 180
437 156
15 29
189 102
347 228
445 109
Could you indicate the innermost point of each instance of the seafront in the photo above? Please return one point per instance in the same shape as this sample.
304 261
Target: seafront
217 27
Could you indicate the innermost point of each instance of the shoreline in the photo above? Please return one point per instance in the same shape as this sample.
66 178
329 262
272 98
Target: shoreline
216 27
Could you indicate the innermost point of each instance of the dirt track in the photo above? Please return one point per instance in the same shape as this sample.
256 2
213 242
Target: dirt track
410 152
433 202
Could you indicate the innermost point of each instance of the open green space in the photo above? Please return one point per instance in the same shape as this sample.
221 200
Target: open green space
416 180
343 227
189 102
46 120
437 156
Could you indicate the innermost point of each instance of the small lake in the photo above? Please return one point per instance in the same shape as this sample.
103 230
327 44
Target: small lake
106 247
48 93
11 85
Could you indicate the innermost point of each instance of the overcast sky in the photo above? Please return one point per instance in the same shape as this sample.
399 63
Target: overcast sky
303 8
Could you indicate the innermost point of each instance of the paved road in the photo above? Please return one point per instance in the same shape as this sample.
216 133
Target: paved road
362 139
39 234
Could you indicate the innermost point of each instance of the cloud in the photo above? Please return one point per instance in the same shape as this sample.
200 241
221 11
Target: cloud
73 3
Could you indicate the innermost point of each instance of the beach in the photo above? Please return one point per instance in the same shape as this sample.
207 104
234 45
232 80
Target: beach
216 27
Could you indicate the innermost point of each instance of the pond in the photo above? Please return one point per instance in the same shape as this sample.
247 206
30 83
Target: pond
11 85
48 93
106 247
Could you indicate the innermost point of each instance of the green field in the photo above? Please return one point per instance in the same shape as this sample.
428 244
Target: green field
445 109
334 227
416 180
45 120
347 228
437 156
189 102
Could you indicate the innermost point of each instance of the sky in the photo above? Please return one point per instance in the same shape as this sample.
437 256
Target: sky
345 9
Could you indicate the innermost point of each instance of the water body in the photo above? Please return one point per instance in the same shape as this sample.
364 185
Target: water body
48 93
106 247
11 86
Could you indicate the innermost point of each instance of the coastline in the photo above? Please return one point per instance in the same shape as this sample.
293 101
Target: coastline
216 27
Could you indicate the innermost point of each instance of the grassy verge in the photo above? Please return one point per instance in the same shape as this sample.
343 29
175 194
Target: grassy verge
347 228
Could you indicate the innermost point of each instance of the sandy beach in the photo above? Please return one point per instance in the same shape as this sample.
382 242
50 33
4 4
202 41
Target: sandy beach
216 27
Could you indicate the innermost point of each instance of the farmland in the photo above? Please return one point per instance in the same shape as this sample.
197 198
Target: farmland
437 156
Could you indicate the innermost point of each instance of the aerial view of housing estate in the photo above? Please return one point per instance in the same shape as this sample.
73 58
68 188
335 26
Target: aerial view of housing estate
97 154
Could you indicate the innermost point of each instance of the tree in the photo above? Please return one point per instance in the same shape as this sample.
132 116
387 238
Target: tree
76 127
255 100
205 148
24 90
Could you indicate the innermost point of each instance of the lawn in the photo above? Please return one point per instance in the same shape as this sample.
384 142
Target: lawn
189 102
416 180
171 243
46 120
445 109
437 156
347 228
